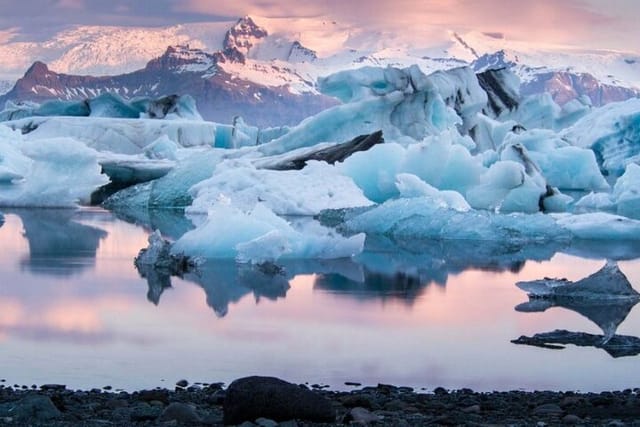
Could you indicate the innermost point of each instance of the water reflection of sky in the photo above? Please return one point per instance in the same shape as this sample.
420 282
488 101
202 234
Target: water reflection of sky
73 309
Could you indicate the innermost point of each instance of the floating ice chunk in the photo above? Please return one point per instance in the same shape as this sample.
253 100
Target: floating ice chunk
405 104
595 201
172 190
123 136
612 132
420 218
437 161
506 187
259 235
410 185
489 134
599 226
62 172
563 166
161 148
109 105
626 192
367 82
607 283
291 192
374 170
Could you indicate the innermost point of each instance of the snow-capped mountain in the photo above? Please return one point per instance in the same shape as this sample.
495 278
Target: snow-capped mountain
180 70
269 66
563 84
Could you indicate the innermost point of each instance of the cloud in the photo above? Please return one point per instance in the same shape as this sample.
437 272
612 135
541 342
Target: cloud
546 20
71 4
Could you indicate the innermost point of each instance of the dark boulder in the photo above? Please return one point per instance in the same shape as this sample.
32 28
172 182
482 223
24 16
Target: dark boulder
250 398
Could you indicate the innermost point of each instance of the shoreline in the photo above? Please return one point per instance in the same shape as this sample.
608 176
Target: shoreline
382 405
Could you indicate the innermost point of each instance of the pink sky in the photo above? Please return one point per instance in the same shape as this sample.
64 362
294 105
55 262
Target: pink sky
585 23
591 24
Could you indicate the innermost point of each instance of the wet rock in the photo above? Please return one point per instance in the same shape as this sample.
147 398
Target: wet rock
182 383
266 422
31 408
180 412
255 397
473 409
157 395
144 412
361 416
548 409
571 419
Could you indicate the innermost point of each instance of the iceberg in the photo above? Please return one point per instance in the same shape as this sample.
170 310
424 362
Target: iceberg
57 172
316 187
123 136
405 104
420 218
612 132
259 235
605 297
109 105
607 283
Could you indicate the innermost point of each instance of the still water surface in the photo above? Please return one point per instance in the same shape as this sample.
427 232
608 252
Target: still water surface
74 310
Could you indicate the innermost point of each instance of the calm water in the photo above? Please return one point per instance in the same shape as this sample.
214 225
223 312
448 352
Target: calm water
74 310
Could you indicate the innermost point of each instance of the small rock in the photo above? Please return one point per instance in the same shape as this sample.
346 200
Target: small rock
361 416
182 383
107 387
151 395
353 400
571 419
290 423
247 424
473 409
616 423
548 409
352 384
440 391
266 422
144 412
180 412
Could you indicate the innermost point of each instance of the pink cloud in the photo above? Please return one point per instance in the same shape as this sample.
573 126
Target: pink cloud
568 21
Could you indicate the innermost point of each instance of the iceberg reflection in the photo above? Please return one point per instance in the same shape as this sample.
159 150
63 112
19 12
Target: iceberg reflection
605 297
59 245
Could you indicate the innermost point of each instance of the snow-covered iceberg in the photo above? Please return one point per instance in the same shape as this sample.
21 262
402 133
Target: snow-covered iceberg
57 172
612 132
109 105
259 235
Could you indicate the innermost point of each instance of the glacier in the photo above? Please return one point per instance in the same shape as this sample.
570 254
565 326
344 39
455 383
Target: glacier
465 157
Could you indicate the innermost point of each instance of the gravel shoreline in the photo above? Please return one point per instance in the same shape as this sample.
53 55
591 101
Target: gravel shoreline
383 405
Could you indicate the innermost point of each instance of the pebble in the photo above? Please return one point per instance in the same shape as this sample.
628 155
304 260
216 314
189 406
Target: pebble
571 419
180 412
266 422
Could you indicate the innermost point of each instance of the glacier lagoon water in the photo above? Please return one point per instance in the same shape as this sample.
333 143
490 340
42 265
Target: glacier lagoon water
74 310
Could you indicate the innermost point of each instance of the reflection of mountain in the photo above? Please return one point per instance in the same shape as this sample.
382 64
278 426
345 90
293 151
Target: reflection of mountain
605 297
58 245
